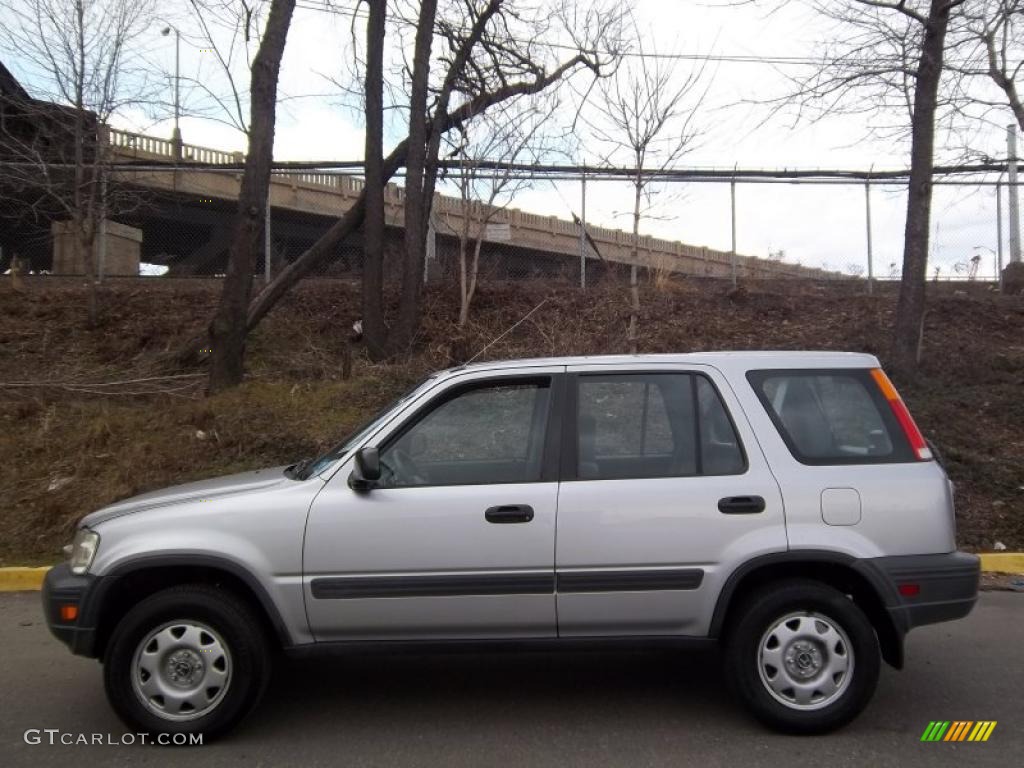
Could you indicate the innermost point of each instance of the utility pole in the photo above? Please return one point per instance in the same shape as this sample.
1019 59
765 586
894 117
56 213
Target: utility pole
1014 212
583 229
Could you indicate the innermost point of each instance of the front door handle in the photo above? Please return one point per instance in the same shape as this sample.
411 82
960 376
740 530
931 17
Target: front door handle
509 513
741 505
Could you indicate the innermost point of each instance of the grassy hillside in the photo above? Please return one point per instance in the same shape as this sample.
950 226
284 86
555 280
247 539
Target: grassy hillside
67 448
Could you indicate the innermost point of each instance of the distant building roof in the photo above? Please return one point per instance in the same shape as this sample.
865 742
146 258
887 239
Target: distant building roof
9 85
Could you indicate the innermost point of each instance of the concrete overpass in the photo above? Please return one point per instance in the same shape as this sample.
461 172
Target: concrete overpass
304 203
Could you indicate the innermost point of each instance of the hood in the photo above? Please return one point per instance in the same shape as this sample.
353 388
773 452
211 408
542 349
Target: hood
178 494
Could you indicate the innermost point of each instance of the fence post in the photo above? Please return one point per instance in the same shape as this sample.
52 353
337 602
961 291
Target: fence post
101 249
1014 212
267 245
867 222
583 229
732 253
999 233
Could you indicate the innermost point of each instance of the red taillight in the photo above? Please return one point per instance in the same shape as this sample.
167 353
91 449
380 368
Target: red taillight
899 409
910 590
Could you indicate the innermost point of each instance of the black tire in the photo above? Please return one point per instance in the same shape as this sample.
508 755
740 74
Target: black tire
762 611
239 631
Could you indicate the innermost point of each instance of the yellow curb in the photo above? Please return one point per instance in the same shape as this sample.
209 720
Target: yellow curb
22 579
27 579
1002 562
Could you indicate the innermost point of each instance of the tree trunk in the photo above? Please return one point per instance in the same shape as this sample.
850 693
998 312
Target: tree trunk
228 329
417 198
474 271
634 284
907 331
374 330
79 217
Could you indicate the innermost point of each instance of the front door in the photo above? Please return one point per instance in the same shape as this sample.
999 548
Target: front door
457 541
664 492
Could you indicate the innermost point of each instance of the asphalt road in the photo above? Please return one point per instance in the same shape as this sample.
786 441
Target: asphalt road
568 709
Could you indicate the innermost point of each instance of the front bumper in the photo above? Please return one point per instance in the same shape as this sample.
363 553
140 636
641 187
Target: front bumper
946 587
62 587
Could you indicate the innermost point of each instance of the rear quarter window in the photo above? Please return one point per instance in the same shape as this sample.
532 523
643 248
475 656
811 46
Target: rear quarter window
831 416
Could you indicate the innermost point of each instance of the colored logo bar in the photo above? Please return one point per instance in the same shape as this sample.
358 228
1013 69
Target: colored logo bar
958 730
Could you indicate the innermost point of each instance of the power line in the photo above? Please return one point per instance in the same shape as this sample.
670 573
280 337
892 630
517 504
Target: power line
726 58
703 57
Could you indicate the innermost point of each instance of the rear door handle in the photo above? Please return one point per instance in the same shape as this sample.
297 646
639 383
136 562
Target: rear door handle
509 513
741 505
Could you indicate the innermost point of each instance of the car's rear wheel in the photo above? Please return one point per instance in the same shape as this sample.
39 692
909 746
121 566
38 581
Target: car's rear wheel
190 659
802 656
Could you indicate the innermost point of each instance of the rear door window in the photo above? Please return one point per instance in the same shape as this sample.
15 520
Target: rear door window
646 425
831 417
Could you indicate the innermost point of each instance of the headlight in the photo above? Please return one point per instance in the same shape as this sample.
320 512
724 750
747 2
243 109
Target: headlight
83 550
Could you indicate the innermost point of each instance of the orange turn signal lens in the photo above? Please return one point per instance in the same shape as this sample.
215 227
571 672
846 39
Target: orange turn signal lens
906 421
68 612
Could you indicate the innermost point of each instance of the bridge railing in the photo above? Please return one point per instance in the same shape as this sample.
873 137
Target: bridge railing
138 144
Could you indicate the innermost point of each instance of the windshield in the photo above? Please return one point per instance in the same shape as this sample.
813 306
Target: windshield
356 437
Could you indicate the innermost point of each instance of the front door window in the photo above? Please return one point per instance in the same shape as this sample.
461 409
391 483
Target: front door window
486 434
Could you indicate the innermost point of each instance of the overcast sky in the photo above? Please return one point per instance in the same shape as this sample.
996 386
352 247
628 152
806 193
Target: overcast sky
817 225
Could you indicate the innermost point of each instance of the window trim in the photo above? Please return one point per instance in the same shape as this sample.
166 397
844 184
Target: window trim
901 453
569 464
551 423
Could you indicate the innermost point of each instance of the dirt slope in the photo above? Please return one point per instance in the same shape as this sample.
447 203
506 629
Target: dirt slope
64 451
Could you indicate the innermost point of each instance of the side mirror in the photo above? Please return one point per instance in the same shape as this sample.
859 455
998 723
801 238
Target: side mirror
366 471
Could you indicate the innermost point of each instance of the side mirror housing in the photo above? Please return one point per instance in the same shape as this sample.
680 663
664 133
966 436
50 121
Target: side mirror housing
366 472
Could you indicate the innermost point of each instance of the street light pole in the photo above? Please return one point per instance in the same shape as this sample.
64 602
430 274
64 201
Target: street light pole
176 133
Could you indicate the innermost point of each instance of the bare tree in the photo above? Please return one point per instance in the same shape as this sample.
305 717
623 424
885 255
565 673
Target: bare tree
83 58
649 111
228 329
486 150
231 31
988 37
487 54
887 58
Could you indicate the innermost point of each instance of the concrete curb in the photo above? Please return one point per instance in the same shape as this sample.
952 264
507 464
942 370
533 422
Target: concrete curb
22 579
26 579
1002 562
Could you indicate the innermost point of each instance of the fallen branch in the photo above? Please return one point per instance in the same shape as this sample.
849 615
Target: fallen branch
92 385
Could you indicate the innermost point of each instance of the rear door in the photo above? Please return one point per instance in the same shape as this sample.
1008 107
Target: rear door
665 490
855 478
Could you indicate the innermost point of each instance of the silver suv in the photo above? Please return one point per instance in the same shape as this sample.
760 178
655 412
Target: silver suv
783 503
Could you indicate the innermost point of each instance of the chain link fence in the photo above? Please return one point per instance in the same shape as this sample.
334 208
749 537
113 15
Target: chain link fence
177 221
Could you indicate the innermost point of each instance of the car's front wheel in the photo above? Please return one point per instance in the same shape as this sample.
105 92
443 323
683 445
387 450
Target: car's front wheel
189 659
802 656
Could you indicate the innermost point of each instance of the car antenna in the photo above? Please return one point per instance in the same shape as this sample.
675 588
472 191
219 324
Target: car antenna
506 333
